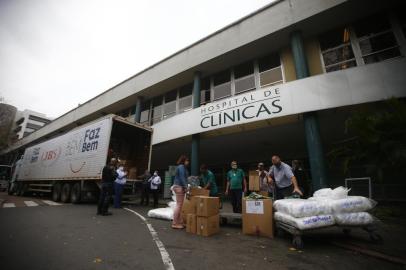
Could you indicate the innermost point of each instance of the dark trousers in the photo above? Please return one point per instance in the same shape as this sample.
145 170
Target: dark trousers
104 198
281 193
155 194
145 194
236 200
118 192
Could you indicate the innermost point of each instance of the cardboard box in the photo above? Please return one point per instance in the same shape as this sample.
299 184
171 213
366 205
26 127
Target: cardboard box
207 226
191 223
257 218
195 191
207 206
132 173
253 181
188 207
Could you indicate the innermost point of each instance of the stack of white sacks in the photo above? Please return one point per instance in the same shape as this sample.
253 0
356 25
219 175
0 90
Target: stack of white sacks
327 207
164 213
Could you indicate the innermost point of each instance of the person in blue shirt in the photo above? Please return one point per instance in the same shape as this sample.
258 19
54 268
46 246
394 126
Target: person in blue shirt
179 187
236 185
208 180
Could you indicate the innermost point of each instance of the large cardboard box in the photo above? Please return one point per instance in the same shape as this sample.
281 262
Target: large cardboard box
191 223
253 181
207 206
195 191
188 207
207 226
257 218
132 174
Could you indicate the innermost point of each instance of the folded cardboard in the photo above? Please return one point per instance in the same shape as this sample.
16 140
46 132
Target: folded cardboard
207 206
257 217
195 191
253 181
191 223
207 226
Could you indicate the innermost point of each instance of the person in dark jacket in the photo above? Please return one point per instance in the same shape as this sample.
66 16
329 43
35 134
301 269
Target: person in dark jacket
179 187
145 187
108 177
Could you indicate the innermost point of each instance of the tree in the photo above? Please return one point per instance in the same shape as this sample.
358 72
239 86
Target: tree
376 139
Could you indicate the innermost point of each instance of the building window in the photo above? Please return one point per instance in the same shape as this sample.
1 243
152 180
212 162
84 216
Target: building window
222 85
144 118
336 50
376 39
270 70
205 91
244 78
185 98
157 109
169 108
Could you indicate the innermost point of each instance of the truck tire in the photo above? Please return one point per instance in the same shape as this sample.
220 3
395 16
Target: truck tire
65 195
75 194
56 192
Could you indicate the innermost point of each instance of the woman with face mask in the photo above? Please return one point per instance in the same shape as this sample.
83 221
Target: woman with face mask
155 182
119 185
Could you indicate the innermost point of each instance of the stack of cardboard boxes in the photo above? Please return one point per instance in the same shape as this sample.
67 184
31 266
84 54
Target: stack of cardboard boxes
254 183
201 213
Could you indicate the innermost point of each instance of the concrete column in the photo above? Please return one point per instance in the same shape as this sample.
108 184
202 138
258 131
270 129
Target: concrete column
194 159
312 132
138 109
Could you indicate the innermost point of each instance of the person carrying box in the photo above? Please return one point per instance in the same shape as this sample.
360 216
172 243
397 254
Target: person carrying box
208 180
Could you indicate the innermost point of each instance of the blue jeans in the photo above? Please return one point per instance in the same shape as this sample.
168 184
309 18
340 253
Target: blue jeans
118 191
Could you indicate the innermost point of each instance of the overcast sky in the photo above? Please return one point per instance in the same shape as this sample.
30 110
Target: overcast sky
56 54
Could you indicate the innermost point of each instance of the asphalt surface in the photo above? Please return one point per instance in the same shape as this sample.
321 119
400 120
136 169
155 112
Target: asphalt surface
73 237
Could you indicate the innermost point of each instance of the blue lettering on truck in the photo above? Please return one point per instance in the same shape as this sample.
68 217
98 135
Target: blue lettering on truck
91 140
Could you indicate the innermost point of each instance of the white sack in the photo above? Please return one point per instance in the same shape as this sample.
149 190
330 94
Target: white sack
302 208
161 213
354 219
172 204
306 222
324 192
352 204
339 193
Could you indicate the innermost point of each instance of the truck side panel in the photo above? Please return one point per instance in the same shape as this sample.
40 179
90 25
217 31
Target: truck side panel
78 154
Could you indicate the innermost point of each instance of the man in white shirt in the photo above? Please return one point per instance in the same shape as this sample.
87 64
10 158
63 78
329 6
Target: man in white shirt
155 182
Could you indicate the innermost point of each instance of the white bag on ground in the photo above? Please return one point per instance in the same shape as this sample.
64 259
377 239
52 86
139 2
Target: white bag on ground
306 223
352 204
302 208
161 213
354 219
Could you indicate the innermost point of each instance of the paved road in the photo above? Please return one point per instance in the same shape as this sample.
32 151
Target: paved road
73 237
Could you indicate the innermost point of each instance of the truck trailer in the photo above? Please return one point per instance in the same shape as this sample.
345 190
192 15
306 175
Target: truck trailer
70 166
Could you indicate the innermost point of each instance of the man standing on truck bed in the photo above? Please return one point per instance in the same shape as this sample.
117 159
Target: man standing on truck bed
108 176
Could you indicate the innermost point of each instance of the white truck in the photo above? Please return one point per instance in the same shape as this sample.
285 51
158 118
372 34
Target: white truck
70 165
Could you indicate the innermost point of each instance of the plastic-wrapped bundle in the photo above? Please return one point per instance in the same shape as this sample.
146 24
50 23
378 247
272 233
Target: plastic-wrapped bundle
324 192
302 208
352 204
161 213
306 223
337 193
172 204
193 181
354 219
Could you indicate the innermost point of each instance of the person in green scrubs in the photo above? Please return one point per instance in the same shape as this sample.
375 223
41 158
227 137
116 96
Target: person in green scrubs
236 185
208 180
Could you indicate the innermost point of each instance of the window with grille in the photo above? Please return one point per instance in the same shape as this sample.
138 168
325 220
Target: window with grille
244 78
376 39
336 49
185 98
222 85
205 91
144 118
169 108
270 70
157 109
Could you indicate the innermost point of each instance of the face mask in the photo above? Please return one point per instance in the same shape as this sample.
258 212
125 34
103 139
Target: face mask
155 174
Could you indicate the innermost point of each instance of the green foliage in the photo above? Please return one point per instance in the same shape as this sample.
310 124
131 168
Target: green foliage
377 139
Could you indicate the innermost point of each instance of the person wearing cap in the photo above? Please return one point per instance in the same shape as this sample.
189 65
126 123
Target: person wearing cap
108 176
236 185
285 181
208 180
264 185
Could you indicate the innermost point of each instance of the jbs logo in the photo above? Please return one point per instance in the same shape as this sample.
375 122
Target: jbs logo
49 155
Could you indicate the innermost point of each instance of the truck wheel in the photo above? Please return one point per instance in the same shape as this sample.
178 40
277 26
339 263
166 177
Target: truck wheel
65 196
75 193
56 192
